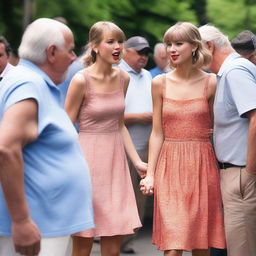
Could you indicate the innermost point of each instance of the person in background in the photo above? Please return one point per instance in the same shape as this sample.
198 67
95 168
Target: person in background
138 114
43 171
182 168
96 99
235 140
5 53
245 44
160 59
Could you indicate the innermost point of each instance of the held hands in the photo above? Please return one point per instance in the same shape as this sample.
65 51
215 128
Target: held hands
147 185
26 237
141 168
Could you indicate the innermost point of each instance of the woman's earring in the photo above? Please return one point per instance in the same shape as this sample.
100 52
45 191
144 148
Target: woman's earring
194 53
96 51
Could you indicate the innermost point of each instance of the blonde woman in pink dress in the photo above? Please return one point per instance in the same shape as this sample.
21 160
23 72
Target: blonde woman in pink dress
96 99
182 170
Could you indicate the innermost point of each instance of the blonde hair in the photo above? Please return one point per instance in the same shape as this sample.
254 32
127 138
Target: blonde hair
185 31
96 34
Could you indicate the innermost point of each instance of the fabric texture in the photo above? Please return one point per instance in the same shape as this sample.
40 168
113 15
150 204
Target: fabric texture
239 212
187 202
115 209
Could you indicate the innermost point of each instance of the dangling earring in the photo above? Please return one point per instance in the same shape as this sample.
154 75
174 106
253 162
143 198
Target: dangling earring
96 51
194 54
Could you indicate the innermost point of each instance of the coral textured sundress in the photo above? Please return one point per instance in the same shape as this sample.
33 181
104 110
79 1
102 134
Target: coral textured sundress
187 202
115 209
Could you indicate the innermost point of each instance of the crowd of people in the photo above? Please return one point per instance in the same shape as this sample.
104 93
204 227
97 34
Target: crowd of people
80 151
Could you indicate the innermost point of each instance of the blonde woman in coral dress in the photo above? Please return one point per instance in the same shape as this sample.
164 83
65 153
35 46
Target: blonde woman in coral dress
182 171
96 99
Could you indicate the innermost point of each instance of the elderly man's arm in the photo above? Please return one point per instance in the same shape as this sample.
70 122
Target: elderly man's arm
251 151
19 126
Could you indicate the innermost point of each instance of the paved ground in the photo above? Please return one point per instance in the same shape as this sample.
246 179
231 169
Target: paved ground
142 245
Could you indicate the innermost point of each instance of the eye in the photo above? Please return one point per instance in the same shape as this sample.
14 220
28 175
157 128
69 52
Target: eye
110 41
179 43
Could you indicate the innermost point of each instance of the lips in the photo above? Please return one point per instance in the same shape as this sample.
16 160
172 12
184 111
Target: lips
116 55
174 57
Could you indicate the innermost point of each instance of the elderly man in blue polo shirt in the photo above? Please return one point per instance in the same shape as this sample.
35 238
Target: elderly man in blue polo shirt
235 140
45 185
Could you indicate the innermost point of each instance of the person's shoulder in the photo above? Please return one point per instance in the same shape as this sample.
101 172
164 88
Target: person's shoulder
146 73
242 64
79 79
159 79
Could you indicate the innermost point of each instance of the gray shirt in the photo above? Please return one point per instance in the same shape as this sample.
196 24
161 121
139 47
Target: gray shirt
235 95
138 100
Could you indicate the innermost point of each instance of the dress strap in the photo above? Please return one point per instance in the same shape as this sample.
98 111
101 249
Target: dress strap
86 79
164 86
122 79
206 85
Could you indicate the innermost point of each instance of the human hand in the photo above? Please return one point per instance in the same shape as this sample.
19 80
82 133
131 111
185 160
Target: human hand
141 168
146 118
26 237
147 185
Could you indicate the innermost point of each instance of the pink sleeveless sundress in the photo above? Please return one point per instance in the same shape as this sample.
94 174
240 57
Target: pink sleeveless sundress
115 209
187 202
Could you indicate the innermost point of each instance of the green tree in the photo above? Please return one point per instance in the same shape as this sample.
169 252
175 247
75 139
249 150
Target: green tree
232 16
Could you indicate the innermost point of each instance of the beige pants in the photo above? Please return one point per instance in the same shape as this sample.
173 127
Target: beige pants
57 246
238 191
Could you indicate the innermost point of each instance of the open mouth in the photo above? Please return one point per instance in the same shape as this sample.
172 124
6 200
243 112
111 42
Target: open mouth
116 55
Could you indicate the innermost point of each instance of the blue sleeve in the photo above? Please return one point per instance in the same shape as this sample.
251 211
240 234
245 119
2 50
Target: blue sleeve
21 92
242 85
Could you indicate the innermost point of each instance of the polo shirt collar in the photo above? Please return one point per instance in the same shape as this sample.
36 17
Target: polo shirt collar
129 68
34 67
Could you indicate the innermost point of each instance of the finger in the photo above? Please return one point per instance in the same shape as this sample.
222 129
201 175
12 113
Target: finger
20 249
37 248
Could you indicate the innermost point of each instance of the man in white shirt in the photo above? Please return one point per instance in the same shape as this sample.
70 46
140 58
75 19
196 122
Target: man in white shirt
138 112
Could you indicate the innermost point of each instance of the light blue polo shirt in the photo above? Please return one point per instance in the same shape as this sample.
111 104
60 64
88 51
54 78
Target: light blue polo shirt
235 95
138 99
56 176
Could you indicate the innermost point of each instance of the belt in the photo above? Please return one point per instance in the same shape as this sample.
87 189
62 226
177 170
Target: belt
229 165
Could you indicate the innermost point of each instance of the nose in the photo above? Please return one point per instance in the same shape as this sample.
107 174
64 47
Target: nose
117 45
171 49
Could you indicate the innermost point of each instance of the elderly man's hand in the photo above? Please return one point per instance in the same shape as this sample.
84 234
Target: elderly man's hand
26 237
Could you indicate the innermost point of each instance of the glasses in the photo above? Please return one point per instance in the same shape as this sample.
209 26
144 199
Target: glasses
143 52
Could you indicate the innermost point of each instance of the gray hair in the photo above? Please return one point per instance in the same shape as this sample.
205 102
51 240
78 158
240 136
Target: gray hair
38 36
213 34
157 47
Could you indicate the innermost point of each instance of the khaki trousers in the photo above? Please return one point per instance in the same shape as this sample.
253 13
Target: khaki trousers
57 246
239 203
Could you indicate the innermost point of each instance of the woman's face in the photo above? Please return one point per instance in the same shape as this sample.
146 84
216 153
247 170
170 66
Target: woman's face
110 48
180 52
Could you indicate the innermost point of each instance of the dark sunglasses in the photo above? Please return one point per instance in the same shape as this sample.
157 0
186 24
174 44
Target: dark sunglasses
144 52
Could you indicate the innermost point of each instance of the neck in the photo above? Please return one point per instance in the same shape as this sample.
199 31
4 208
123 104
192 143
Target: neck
185 71
138 70
219 57
102 68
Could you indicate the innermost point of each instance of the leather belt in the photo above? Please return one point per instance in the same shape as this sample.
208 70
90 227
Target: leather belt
229 165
